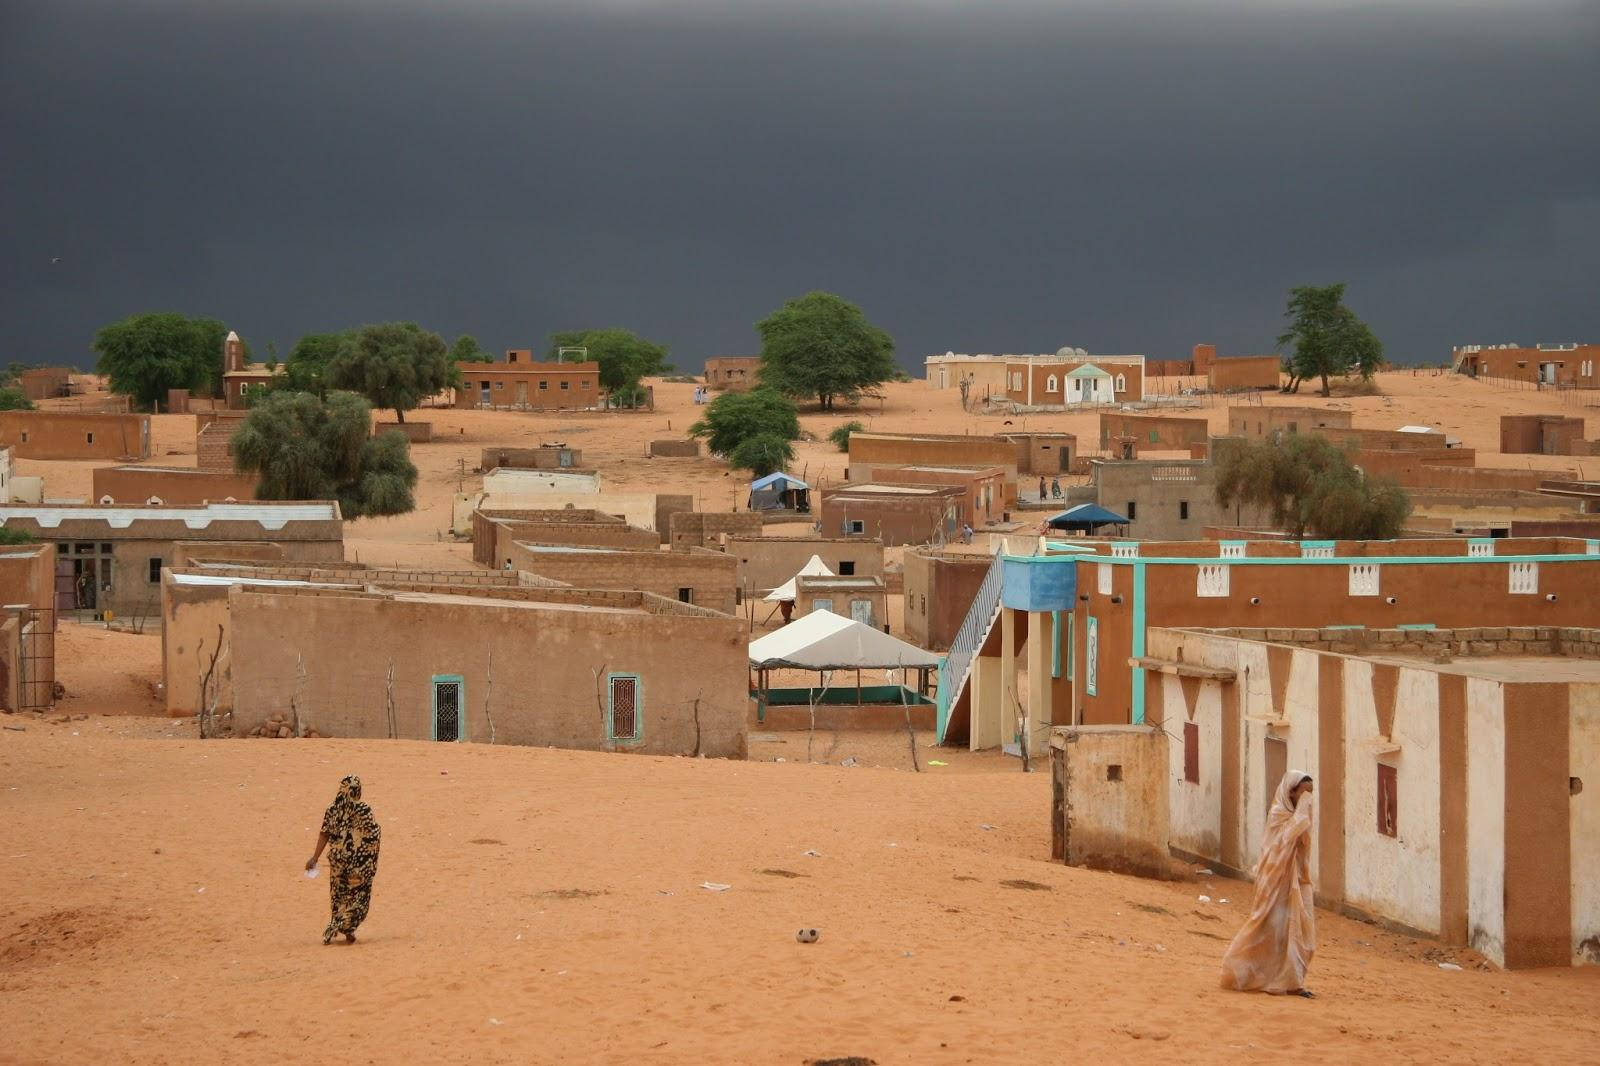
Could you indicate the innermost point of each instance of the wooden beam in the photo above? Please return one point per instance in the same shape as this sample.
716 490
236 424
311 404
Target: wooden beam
1167 666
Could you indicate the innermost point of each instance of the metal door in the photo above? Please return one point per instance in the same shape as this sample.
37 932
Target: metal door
447 708
861 611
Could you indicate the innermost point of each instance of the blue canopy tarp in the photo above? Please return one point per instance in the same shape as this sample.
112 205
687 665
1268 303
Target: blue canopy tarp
1087 516
779 491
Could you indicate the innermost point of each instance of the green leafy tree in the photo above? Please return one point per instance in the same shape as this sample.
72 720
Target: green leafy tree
14 400
1310 486
306 369
762 454
823 346
841 435
306 448
1326 338
395 365
735 417
145 355
9 535
466 350
625 359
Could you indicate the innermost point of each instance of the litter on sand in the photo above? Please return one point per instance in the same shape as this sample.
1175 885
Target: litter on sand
1205 899
1450 966
984 825
814 853
848 761
713 886
937 762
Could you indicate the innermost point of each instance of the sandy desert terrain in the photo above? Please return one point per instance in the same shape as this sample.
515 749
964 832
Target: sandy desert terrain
544 906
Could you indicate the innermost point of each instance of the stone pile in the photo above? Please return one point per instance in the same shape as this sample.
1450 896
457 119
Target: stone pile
278 727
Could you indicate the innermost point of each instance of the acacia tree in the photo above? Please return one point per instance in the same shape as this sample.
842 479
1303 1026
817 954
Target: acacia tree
306 369
1310 485
466 350
14 399
1327 338
625 359
736 417
762 454
145 355
395 365
306 448
821 345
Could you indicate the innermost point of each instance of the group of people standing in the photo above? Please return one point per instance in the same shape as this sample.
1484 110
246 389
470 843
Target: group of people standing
1271 953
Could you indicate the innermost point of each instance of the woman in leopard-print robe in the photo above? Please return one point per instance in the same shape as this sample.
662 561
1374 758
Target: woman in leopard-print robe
352 860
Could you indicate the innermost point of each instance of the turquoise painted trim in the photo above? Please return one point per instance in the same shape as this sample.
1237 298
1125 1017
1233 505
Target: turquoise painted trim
638 711
1291 560
1304 544
1344 627
1072 644
1091 657
1055 643
461 706
941 715
1138 645
1416 625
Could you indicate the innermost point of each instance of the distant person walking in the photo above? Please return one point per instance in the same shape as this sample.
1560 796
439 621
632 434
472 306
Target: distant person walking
352 860
966 534
1041 488
1055 488
1273 950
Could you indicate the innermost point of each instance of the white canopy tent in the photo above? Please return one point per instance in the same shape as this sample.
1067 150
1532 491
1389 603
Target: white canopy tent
788 590
823 640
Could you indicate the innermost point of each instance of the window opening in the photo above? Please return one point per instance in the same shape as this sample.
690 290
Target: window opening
685 594
155 570
847 568
1388 800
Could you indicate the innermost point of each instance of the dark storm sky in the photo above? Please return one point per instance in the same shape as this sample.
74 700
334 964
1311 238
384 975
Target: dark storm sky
996 176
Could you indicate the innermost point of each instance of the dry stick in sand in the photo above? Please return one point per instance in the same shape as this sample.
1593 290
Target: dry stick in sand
696 753
488 690
600 704
294 697
389 696
1022 728
203 713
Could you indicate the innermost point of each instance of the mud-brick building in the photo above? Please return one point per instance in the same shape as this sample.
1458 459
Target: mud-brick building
893 514
71 435
175 485
27 626
939 589
734 373
765 563
111 558
1452 770
872 453
520 384
705 579
983 489
615 671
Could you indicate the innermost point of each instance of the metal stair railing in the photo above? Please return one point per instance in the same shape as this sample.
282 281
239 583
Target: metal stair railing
957 663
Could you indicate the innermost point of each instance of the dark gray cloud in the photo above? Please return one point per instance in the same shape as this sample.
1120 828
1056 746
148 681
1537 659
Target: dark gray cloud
982 177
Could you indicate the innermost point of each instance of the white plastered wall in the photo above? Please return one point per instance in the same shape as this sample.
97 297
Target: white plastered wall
1395 877
1195 810
1486 817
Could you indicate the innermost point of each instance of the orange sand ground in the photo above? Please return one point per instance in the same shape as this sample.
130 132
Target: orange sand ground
111 826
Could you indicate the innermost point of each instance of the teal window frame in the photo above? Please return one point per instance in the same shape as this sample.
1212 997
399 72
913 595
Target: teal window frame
1055 644
433 703
1091 655
638 709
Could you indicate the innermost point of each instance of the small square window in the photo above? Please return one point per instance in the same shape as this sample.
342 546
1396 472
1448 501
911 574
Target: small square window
587 384
857 526
847 568
566 384
499 384
90 436
685 594
543 385
1114 772
1183 510
1388 800
155 570
24 436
